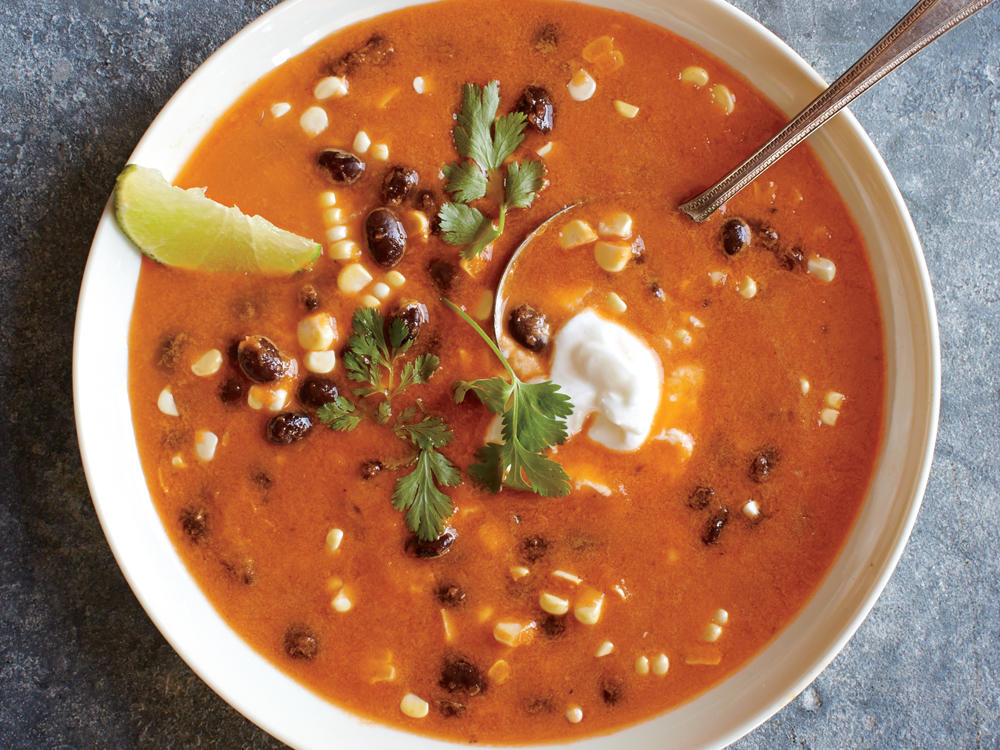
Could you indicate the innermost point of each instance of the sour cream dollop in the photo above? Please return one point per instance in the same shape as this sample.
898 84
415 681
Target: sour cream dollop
608 371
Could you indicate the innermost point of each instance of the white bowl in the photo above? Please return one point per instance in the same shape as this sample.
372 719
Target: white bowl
747 698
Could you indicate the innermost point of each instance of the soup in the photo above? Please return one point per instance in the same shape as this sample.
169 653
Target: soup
728 377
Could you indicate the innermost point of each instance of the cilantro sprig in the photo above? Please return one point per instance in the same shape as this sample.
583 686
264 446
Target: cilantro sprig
485 141
373 359
533 418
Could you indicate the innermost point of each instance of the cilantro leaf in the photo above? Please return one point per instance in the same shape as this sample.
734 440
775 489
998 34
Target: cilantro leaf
425 505
533 417
418 371
367 351
508 132
474 121
428 433
461 224
522 182
338 415
466 181
399 337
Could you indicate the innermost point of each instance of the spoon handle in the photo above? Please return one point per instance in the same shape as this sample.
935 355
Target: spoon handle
925 22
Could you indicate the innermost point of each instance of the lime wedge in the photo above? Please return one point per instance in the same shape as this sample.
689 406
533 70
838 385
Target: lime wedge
185 229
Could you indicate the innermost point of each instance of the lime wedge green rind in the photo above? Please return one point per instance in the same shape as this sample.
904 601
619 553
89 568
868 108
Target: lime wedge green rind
184 229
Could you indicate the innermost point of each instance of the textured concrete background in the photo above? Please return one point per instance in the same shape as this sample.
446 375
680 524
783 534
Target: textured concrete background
81 666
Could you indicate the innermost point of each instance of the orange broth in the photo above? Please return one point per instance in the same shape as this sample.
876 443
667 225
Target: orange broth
252 523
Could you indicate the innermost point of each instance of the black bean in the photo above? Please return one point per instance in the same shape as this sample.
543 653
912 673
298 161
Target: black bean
790 258
427 203
386 237
534 706
612 689
316 391
244 571
536 104
768 236
260 360
309 297
413 314
230 391
370 468
288 427
657 290
172 350
552 626
546 38
262 479
762 463
194 523
450 595
700 497
397 184
443 274
451 709
376 51
735 236
534 548
714 526
529 327
440 546
300 643
459 675
343 167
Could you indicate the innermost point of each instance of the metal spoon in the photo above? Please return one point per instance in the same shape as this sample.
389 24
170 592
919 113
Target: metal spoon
925 22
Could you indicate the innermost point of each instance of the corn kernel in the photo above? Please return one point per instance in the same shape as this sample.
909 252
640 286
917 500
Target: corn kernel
499 673
331 86
314 121
718 278
598 48
589 605
554 605
626 110
574 715
517 572
177 462
748 288
381 290
684 336
333 215
720 617
695 75
706 659
642 665
395 279
205 443
414 706
370 300
280 109
804 386
342 602
449 630
320 363
382 672
362 142
327 198
165 403
711 633
723 98
576 233
566 576
419 85
660 664
262 397
208 364
823 269
380 152
612 256
617 225
336 233
512 633
544 150
317 332
581 86
604 649
833 399
333 539
615 303
751 509
416 224
344 250
829 416
484 307
353 278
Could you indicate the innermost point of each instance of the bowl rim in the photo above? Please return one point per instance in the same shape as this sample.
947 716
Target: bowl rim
268 712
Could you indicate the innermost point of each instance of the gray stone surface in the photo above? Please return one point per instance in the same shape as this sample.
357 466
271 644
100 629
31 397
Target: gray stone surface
80 664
